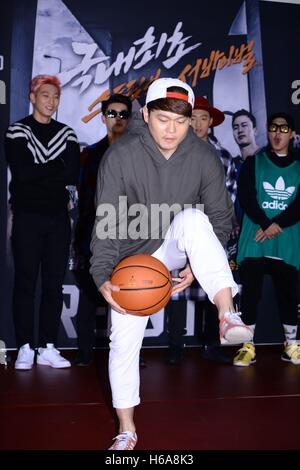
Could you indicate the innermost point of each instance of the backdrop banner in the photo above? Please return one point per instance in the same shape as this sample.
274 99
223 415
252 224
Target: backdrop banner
240 57
6 16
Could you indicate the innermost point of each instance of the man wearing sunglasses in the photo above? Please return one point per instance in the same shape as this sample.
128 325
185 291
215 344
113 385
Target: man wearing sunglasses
268 190
116 113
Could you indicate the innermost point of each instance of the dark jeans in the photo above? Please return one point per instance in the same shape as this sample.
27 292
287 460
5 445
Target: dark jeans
284 277
39 242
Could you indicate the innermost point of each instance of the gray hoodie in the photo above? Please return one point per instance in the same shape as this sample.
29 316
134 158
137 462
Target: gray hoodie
134 168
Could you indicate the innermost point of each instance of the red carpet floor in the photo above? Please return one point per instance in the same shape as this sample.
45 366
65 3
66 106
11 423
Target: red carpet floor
197 405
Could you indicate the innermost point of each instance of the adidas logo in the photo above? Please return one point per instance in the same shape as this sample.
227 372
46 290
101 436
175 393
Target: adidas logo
279 193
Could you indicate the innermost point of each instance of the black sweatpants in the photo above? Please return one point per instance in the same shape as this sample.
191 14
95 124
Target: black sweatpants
39 242
284 277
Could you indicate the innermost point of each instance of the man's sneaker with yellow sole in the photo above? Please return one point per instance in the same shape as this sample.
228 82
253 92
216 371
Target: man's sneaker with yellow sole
291 353
245 356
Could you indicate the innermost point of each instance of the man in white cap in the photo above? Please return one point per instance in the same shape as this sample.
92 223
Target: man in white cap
163 163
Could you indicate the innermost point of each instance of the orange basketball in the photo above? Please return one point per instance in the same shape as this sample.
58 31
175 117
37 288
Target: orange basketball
145 284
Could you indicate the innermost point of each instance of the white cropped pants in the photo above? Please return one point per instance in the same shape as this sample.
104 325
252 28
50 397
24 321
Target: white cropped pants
190 238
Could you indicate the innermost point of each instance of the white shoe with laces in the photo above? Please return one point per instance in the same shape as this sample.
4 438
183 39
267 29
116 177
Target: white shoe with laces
124 441
25 358
233 330
50 356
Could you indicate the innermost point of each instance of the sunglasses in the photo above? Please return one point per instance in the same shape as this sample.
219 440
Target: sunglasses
111 113
284 128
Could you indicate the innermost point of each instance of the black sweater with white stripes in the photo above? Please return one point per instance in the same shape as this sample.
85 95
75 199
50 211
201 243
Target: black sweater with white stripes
43 159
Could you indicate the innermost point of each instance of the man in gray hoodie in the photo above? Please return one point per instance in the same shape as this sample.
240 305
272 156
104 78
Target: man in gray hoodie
164 166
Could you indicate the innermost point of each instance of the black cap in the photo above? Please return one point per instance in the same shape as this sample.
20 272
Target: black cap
288 118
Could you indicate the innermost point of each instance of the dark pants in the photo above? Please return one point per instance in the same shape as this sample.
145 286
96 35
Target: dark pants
210 325
90 299
176 315
284 277
39 242
176 321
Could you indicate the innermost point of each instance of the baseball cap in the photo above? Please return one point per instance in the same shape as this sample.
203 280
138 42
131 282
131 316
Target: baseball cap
160 89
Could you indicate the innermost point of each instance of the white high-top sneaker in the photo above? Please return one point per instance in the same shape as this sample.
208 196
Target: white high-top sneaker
25 358
50 356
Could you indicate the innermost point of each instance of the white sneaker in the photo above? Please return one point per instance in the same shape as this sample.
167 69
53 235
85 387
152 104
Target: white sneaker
25 358
233 330
50 356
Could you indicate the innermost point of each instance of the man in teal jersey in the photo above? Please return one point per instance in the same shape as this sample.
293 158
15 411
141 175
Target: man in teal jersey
269 193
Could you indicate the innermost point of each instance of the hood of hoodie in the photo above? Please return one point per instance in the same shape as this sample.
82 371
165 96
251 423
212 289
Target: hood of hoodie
142 134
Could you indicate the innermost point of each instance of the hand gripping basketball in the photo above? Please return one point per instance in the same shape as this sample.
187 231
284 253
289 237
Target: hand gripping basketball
145 284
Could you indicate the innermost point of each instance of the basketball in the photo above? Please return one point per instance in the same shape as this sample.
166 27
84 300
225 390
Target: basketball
145 284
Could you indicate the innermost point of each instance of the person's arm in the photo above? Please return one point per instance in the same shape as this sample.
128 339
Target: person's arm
105 248
86 202
84 160
247 194
71 158
21 162
231 177
214 195
229 168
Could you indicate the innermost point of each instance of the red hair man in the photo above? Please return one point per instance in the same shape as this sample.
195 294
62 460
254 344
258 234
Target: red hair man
43 156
